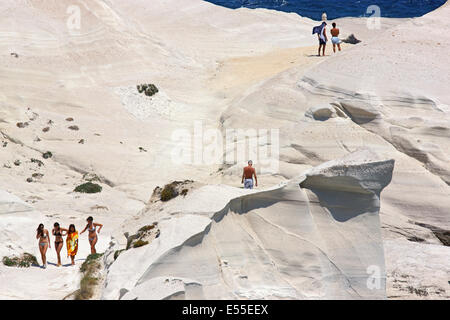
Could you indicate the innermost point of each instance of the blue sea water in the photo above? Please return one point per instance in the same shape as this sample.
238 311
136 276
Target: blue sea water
341 8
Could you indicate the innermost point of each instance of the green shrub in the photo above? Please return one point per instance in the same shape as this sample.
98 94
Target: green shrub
117 253
146 228
10 262
86 288
169 192
88 187
137 240
22 124
47 155
88 281
149 89
39 162
28 260
91 261
140 243
25 261
130 240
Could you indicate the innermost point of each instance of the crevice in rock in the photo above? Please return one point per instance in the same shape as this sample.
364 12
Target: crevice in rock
442 234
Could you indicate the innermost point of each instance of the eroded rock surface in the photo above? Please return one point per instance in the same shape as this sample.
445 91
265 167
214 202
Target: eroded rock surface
289 242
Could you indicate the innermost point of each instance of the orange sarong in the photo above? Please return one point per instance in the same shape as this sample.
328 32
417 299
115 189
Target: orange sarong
72 244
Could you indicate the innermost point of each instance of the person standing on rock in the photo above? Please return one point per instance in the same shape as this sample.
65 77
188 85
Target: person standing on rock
44 243
91 227
58 233
335 38
322 36
247 176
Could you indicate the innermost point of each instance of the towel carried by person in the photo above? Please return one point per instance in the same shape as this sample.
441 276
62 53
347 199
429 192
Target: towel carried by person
72 243
318 29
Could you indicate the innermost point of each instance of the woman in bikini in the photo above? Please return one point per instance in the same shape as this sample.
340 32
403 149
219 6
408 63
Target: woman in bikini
91 227
58 233
44 243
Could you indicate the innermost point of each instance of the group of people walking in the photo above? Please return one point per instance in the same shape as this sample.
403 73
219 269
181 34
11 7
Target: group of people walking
71 241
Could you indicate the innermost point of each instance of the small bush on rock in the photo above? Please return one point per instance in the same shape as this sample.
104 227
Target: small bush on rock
22 124
39 162
142 237
89 268
149 89
171 190
139 243
88 187
25 261
146 228
168 192
117 253
47 155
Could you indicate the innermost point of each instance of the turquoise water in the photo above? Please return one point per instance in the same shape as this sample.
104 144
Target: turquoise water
341 8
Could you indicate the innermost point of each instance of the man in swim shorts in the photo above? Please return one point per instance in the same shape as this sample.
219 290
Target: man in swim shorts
322 35
335 38
247 176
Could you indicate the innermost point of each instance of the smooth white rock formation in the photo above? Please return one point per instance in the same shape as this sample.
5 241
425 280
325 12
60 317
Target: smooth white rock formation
221 67
302 240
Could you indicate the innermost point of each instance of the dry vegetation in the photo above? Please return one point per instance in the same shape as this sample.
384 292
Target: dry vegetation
91 276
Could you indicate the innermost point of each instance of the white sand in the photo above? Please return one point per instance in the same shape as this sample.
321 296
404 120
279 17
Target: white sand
222 67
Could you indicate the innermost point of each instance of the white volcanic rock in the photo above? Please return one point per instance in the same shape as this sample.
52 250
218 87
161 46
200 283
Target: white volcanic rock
417 270
124 273
383 95
166 288
16 216
353 173
143 107
279 243
228 69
